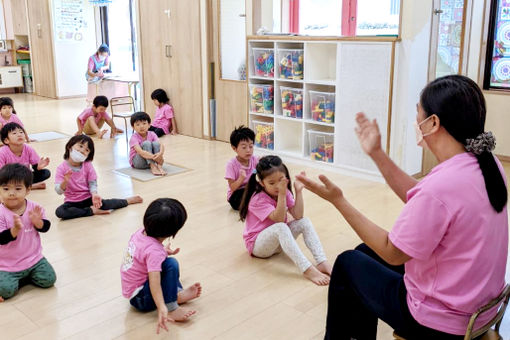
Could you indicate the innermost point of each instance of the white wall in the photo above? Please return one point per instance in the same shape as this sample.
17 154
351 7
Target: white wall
71 56
411 70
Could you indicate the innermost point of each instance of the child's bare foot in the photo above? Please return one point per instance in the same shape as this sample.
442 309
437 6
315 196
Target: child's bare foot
1 299
102 133
325 267
314 275
97 211
161 170
117 130
38 186
190 293
134 199
155 170
180 314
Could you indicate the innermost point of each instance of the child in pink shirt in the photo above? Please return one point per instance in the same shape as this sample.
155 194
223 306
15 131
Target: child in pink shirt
8 114
77 180
149 277
16 151
240 168
145 150
21 221
164 121
267 232
92 119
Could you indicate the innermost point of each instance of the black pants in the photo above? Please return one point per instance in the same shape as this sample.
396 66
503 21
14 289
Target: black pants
363 289
235 198
70 210
40 175
158 131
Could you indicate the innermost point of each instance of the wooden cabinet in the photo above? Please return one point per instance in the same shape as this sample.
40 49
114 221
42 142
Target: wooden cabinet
41 46
19 16
170 43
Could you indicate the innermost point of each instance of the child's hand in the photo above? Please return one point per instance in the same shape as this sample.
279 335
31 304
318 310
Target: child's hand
18 225
171 251
97 202
43 162
242 173
162 318
282 185
79 132
173 132
298 185
112 133
67 175
36 216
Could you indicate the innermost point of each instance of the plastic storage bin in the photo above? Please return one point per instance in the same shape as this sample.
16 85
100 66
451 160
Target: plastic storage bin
261 98
291 64
25 67
322 106
263 60
321 146
264 134
292 102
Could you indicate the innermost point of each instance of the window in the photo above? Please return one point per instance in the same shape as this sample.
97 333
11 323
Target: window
378 17
320 17
497 63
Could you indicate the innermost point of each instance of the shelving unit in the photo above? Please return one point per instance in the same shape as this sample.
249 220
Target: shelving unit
345 76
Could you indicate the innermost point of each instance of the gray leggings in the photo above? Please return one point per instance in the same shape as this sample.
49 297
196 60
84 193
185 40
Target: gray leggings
282 236
141 163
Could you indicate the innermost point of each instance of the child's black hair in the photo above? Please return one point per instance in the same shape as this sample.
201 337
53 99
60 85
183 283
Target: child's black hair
4 133
140 116
100 101
7 101
16 173
160 95
81 139
265 167
164 217
242 133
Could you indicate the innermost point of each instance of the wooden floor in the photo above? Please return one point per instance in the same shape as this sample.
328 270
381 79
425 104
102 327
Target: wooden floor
243 297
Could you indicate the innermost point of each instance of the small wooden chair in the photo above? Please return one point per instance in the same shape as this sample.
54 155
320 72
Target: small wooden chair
123 107
486 330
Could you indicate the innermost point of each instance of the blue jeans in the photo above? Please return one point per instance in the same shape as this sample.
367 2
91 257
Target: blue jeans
170 285
363 289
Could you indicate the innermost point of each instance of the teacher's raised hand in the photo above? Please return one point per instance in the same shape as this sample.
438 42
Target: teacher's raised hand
327 190
368 134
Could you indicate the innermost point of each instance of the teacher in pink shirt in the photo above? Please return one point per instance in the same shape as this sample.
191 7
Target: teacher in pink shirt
446 254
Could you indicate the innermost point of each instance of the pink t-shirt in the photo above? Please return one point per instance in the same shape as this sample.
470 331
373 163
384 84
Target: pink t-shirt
458 244
143 255
260 207
28 156
26 249
136 139
162 118
88 112
92 65
12 119
77 188
233 171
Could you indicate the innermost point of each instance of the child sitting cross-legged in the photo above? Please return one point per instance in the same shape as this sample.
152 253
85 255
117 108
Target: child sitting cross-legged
145 150
149 275
17 151
21 221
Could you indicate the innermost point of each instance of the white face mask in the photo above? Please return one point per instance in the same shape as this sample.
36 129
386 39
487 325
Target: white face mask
77 156
102 57
419 134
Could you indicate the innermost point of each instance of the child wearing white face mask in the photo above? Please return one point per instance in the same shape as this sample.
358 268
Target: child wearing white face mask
77 180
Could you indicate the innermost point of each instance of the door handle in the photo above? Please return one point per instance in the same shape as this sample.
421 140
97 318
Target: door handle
39 30
438 11
168 51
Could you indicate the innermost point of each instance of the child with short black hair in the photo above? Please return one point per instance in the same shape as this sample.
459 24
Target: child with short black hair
17 151
21 221
92 119
8 114
239 168
77 180
149 277
145 150
164 120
